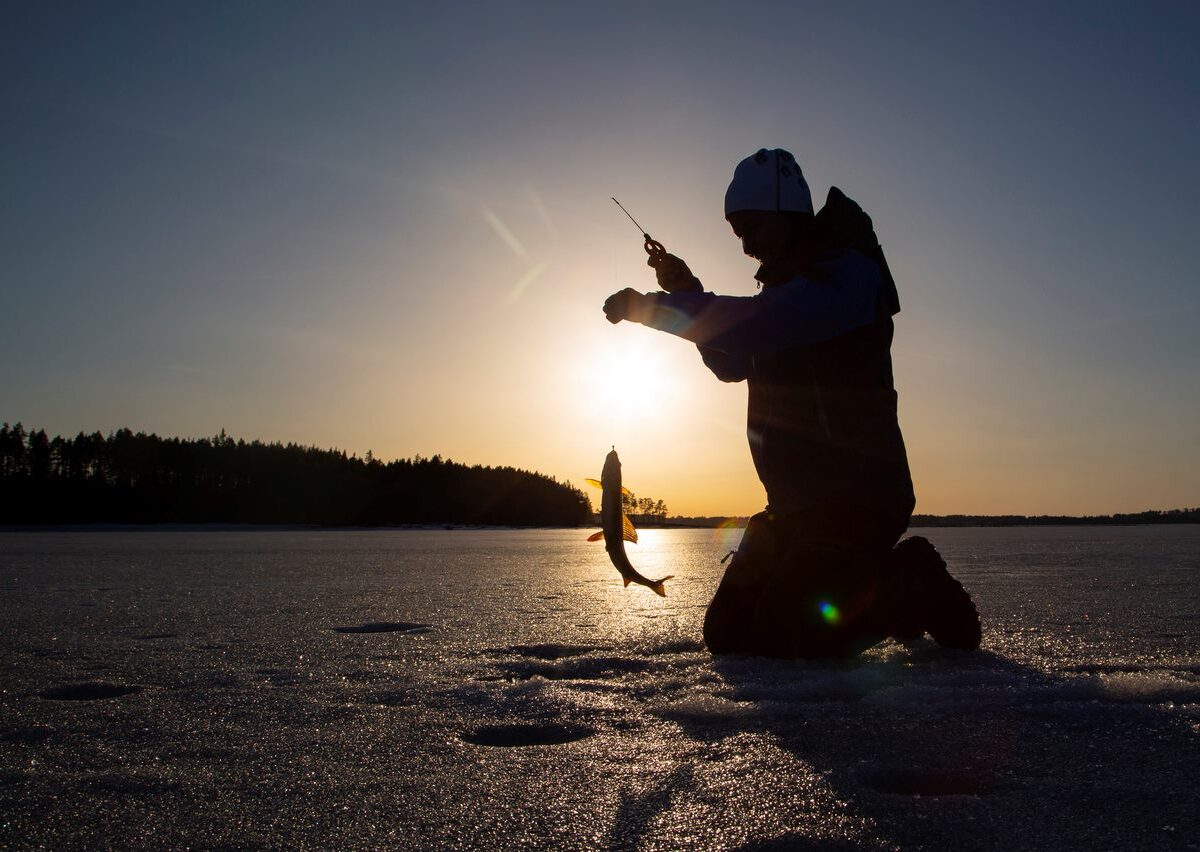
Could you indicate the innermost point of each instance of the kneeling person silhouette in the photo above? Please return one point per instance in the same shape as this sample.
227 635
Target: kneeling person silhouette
819 573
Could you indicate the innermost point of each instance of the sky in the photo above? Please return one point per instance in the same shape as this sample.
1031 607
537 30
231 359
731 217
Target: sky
388 227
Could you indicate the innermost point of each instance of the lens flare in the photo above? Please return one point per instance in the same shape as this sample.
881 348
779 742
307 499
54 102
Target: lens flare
829 612
728 534
503 232
526 280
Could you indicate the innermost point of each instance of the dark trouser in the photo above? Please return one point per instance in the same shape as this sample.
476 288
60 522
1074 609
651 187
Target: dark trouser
814 584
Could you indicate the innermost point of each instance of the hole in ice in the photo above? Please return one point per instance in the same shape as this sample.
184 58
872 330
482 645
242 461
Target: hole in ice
386 627
931 781
93 691
512 736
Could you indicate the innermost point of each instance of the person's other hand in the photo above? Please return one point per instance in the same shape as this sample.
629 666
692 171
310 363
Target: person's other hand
673 275
623 305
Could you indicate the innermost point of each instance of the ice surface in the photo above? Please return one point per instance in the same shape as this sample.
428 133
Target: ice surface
476 689
385 627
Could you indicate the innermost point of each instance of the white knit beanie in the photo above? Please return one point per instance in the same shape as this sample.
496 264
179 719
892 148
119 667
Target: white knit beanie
768 180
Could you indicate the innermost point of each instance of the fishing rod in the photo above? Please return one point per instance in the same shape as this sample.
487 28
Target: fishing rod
652 246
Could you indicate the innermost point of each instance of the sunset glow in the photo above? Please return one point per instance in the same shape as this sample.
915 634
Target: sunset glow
395 248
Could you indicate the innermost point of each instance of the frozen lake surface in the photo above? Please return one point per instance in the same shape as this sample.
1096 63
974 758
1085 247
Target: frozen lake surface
499 689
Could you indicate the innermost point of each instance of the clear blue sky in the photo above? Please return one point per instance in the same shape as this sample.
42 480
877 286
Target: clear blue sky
387 226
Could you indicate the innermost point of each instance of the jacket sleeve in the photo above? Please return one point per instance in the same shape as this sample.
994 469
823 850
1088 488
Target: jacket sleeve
805 310
726 367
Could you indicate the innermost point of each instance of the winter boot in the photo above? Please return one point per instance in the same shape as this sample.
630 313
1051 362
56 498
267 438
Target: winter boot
935 601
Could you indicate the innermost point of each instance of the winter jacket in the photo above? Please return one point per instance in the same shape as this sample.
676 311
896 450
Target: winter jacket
815 352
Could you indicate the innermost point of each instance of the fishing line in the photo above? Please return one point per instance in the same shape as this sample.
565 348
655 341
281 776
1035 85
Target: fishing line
652 246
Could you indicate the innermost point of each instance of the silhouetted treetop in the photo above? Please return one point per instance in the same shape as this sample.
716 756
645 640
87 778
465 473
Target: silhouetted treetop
129 477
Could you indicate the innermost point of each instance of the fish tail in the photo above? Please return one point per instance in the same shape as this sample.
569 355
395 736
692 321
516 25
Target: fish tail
659 588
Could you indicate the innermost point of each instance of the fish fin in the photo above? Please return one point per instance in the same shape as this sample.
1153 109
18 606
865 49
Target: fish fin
626 579
596 536
594 483
659 588
626 491
627 531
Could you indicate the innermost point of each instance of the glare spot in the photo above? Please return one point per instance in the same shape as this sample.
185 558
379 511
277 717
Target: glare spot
527 279
829 612
625 382
502 231
729 534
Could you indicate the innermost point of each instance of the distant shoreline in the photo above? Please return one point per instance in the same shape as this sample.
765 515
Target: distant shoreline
10 528
734 523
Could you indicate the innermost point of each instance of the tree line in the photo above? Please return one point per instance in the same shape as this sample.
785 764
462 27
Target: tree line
1153 516
128 477
643 510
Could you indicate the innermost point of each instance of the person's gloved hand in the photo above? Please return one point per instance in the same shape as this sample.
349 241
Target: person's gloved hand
627 304
673 274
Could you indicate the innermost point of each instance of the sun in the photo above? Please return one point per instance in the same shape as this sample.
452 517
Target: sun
626 381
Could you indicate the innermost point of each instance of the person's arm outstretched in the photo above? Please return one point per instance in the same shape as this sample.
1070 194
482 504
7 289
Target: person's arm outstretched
802 311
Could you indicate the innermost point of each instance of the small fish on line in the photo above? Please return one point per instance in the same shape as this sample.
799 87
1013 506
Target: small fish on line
616 528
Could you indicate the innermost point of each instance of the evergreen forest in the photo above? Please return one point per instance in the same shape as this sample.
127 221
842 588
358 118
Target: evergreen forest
135 478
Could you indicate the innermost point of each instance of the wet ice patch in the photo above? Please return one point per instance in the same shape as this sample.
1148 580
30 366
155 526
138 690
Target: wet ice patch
93 691
386 627
526 734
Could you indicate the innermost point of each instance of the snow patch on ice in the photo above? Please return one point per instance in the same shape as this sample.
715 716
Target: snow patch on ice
577 668
989 688
678 646
703 709
1147 687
